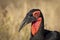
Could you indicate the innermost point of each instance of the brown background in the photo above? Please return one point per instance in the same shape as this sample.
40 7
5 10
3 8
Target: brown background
12 13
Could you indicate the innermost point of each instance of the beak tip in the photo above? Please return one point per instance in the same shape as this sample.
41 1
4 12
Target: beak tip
19 30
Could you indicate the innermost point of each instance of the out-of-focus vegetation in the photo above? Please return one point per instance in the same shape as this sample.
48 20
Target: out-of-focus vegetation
12 13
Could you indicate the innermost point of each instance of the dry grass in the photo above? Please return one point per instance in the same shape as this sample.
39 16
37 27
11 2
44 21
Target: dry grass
12 13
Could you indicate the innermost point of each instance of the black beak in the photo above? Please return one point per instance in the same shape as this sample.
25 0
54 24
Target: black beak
23 24
26 21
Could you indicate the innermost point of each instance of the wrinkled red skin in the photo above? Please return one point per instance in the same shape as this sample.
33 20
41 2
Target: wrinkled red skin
35 26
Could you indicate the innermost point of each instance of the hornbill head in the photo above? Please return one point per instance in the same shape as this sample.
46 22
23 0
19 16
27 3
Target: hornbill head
31 16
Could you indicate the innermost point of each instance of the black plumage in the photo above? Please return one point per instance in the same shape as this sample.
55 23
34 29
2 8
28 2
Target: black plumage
42 33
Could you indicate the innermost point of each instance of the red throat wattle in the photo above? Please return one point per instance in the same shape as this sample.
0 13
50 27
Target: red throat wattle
35 26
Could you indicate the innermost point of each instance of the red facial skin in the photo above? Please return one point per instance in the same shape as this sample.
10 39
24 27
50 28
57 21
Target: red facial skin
36 25
36 14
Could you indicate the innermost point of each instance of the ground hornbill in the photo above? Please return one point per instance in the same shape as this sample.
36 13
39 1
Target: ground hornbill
38 32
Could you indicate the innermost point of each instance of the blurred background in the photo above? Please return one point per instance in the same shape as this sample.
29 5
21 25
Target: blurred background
12 12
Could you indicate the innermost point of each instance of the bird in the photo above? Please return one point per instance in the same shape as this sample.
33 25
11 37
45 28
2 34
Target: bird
35 17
